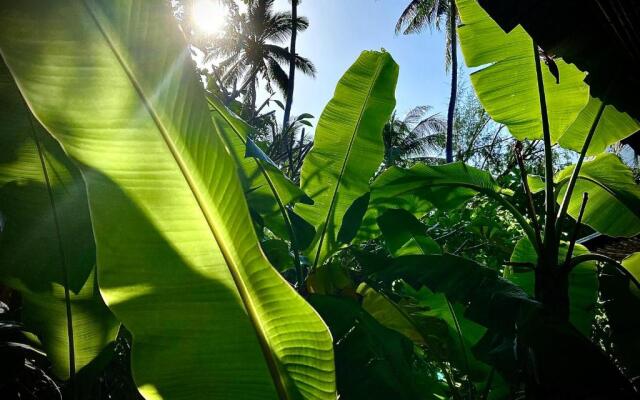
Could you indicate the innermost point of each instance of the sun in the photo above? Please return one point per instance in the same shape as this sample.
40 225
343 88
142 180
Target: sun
208 16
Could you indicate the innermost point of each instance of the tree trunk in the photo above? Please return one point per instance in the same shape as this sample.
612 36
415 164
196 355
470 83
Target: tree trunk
453 13
292 64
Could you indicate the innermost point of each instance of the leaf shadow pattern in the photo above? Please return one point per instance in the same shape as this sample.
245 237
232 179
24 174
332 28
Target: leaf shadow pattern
192 337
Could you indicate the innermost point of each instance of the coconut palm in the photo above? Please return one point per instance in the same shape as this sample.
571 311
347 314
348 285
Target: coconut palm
249 50
292 63
433 13
419 131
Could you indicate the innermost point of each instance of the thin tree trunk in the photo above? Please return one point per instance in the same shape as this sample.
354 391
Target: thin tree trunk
454 80
292 63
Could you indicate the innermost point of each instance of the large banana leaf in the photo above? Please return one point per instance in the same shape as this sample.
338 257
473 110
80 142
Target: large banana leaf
30 245
178 262
613 207
266 187
348 147
506 82
613 126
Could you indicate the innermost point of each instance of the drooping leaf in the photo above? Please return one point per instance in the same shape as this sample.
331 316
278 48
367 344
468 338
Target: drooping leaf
113 82
348 147
583 282
490 300
445 186
613 207
506 83
405 235
30 247
423 187
613 126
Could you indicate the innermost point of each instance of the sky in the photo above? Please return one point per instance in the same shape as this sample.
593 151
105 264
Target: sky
340 29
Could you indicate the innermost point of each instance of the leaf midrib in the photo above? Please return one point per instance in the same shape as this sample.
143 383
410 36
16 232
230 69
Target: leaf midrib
198 197
346 159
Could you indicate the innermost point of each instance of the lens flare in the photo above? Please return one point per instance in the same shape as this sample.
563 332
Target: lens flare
208 16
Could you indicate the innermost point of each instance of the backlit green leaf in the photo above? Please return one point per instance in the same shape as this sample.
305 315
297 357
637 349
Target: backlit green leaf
506 81
114 83
348 147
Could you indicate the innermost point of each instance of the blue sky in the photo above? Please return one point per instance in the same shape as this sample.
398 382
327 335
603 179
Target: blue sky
340 29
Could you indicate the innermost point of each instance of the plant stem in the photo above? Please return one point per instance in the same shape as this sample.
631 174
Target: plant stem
527 191
63 265
576 170
574 237
549 243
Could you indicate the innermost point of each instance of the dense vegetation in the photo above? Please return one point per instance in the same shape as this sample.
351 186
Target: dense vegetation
163 235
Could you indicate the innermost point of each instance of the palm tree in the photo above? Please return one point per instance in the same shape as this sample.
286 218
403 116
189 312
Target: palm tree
419 131
249 50
292 63
422 13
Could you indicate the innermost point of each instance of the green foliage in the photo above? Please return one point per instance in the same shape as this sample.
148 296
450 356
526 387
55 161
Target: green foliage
436 281
348 147
405 235
613 207
30 188
168 212
507 85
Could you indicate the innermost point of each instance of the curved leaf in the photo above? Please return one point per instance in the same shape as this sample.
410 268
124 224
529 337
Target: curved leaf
489 299
30 258
612 127
443 186
348 147
613 207
168 212
506 83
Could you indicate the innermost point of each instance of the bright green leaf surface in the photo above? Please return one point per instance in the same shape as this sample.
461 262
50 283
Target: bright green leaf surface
613 207
612 127
210 318
30 259
348 147
506 82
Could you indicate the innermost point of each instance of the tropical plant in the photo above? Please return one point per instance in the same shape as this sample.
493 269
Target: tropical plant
422 13
165 207
417 133
248 50
152 205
